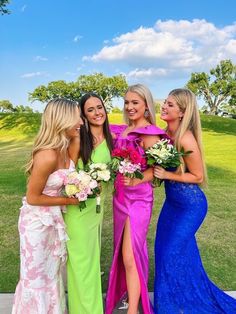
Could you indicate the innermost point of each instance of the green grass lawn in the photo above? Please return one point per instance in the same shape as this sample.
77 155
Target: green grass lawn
216 238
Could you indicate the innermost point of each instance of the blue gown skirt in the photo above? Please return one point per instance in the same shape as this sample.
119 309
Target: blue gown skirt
181 284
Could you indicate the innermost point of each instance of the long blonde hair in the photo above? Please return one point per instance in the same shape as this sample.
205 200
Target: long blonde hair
186 100
59 116
146 95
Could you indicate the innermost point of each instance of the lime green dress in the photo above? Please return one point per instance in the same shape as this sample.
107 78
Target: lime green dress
83 247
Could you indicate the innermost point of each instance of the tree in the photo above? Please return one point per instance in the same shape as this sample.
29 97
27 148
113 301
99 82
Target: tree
3 9
21 108
158 103
217 89
6 106
106 87
54 90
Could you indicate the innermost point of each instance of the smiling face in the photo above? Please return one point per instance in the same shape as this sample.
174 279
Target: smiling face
134 106
94 111
170 110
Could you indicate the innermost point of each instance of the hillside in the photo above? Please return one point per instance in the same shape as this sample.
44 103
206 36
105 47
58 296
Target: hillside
216 240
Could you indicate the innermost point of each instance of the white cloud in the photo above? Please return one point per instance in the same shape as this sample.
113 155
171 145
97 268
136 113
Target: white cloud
77 38
170 48
231 47
33 74
141 73
40 58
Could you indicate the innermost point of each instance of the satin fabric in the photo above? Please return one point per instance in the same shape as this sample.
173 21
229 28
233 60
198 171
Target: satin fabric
84 248
136 205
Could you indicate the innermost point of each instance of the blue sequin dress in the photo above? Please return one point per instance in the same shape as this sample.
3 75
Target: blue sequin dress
181 284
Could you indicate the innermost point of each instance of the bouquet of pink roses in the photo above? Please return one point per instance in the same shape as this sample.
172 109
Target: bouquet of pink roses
81 186
128 162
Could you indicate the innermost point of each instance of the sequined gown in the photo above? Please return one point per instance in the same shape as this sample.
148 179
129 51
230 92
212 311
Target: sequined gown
42 254
181 284
136 204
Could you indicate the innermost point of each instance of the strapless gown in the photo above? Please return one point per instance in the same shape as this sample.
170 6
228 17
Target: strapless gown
181 284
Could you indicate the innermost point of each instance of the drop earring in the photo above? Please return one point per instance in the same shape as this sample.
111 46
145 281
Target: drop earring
146 113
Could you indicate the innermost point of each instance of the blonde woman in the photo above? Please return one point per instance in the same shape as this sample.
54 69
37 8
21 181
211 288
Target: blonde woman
181 284
41 227
132 207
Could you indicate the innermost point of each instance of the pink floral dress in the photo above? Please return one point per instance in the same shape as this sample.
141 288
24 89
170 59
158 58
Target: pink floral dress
43 254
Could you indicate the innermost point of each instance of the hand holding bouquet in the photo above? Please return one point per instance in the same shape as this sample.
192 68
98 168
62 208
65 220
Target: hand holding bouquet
165 155
81 186
128 162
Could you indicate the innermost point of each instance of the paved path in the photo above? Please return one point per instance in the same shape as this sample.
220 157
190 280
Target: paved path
7 298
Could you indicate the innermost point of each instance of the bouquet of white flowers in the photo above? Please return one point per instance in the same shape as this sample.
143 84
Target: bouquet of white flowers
101 173
164 154
80 185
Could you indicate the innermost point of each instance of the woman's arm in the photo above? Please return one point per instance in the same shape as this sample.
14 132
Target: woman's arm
193 163
45 163
147 176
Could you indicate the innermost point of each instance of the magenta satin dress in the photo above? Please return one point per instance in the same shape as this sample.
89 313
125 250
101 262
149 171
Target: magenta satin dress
136 204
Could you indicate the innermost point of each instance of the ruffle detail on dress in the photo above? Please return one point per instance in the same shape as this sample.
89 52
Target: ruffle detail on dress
117 128
50 217
36 301
148 130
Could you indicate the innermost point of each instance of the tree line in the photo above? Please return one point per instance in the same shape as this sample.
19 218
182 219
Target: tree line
217 88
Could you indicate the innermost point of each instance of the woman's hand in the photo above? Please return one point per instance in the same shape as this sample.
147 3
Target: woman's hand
129 181
72 201
159 172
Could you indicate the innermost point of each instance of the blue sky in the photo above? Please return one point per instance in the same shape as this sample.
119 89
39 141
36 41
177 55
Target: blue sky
157 43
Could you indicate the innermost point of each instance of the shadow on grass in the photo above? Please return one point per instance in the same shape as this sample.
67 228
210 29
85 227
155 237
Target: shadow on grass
16 143
218 124
220 174
26 123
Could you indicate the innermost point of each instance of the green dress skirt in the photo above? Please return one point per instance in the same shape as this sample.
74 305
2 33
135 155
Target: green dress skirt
83 247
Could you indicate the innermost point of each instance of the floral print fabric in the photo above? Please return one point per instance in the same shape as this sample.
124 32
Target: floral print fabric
43 254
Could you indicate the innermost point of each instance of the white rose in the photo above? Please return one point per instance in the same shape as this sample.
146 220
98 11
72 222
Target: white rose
104 175
84 178
71 189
